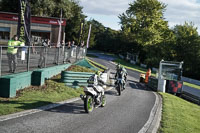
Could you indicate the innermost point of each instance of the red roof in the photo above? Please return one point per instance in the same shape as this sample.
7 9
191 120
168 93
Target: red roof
34 19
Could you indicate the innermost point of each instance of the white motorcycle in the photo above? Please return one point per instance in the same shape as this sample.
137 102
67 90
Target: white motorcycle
94 96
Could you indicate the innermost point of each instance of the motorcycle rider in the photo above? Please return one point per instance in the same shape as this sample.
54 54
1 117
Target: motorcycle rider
117 70
95 81
121 73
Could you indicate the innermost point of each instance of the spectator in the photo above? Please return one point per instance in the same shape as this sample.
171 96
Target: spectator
82 44
43 51
12 53
67 53
57 53
73 44
63 47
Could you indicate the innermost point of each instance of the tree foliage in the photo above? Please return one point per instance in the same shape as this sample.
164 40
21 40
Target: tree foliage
144 22
187 48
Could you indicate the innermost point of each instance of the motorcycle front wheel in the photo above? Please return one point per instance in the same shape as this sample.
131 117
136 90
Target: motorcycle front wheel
88 104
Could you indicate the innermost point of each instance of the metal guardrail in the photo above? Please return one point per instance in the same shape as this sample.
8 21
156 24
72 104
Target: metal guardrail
190 97
34 57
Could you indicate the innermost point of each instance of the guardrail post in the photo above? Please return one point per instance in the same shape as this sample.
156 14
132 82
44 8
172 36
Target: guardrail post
28 58
0 59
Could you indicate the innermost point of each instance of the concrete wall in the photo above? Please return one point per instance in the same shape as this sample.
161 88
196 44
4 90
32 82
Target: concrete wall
11 83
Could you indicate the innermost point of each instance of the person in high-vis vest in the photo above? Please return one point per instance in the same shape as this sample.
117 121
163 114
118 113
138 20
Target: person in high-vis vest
148 74
12 53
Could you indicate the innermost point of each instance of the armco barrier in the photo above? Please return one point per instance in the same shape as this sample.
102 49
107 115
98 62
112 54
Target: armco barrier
11 83
75 79
189 80
39 76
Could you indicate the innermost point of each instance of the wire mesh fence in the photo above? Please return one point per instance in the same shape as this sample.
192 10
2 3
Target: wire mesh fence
29 58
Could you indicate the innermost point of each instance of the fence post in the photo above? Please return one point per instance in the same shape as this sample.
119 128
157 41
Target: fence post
85 51
45 60
0 59
58 55
28 58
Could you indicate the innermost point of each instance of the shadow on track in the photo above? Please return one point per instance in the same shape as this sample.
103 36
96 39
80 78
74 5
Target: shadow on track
71 108
113 93
137 85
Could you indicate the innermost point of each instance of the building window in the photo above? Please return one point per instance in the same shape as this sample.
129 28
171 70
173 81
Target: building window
4 33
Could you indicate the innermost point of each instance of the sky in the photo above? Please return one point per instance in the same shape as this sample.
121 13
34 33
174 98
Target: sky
107 11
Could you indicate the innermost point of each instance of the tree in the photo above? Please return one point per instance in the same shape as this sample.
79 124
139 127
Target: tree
187 48
144 24
9 5
73 23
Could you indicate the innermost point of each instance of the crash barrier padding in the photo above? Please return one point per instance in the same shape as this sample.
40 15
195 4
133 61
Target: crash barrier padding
190 97
153 83
174 86
75 79
85 63
39 76
11 83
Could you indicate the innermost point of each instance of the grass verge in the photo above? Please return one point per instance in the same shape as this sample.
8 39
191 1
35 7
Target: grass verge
179 115
192 85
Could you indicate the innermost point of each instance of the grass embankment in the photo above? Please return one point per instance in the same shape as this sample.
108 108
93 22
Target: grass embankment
179 115
192 85
33 97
